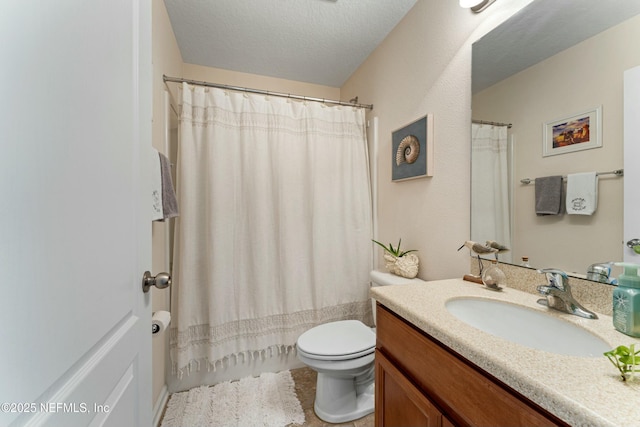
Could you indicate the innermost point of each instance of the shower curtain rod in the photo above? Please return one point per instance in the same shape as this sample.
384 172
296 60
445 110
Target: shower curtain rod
484 122
265 92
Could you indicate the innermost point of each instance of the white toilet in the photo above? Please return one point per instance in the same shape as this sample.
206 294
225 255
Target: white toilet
342 353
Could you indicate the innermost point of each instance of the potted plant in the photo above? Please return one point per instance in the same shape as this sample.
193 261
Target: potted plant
399 262
626 359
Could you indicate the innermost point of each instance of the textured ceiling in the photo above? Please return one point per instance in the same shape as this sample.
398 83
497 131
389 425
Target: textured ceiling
313 41
540 30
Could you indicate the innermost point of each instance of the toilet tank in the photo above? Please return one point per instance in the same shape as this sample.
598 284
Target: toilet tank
383 278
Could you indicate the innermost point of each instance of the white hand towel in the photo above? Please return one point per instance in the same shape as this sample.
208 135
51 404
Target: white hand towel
156 187
582 193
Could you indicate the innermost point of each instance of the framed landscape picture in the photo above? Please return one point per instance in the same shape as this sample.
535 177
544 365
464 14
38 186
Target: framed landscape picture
581 131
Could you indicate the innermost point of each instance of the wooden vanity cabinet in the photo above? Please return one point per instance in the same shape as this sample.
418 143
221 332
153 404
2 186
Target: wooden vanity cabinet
399 402
421 382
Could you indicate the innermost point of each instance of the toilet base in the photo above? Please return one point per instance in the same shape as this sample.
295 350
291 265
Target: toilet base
337 400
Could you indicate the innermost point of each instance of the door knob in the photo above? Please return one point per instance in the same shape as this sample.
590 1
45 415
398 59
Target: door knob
160 281
635 245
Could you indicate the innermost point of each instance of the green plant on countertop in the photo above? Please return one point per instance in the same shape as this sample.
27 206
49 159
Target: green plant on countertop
626 359
395 251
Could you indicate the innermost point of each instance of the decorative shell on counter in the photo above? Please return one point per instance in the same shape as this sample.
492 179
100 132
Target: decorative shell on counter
405 266
408 150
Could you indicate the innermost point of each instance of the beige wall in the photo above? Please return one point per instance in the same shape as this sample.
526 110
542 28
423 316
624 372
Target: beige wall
166 60
232 78
424 66
581 77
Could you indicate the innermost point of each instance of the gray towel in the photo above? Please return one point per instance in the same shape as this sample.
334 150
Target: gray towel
169 202
549 195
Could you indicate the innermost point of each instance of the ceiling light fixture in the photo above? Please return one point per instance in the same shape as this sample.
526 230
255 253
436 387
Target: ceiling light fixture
476 6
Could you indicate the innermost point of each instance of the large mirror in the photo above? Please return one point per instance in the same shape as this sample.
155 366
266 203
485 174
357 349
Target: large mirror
551 61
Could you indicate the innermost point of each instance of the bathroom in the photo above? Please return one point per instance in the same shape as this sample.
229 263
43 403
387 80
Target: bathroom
423 66
435 38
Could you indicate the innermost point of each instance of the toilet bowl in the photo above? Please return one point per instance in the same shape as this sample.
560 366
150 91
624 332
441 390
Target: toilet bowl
342 353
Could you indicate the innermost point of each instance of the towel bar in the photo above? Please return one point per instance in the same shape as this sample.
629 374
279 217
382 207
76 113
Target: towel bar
617 172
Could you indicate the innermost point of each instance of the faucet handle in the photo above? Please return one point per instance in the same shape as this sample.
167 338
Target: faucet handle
557 278
599 272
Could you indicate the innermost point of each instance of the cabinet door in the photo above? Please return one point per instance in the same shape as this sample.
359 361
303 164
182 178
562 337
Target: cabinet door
398 401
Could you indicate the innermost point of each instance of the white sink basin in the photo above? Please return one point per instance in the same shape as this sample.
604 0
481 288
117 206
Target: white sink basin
527 327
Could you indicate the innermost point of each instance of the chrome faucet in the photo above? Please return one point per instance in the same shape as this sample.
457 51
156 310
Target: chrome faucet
600 272
558 294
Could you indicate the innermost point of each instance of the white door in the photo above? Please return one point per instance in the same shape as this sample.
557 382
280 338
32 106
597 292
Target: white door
75 130
631 156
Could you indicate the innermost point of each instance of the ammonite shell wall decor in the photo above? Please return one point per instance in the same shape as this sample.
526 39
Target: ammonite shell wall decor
408 150
412 150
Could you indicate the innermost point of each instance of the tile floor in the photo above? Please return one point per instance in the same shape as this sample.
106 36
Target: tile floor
305 381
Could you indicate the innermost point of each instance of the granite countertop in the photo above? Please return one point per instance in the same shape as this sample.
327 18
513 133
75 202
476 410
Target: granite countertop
583 391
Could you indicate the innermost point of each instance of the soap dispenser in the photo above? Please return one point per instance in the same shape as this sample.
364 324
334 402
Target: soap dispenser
626 300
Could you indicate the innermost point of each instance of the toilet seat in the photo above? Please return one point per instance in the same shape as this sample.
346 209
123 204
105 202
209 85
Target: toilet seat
341 340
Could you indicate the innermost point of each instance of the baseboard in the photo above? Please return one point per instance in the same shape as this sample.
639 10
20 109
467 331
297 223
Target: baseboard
158 408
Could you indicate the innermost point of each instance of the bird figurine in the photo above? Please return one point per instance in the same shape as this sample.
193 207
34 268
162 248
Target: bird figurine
495 245
479 249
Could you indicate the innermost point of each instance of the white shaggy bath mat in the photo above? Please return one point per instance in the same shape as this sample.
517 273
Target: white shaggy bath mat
268 400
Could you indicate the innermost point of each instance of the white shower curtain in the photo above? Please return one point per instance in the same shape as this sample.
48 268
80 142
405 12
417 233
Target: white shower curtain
274 231
490 217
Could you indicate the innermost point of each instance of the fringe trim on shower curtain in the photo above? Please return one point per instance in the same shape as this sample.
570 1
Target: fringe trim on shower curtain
232 359
203 343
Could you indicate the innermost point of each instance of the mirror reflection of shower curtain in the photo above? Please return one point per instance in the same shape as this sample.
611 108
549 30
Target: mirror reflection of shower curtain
274 231
490 205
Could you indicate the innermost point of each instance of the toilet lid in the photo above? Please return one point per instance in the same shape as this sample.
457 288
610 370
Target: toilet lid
345 339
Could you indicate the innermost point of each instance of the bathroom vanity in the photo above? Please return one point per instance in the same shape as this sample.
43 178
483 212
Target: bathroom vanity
433 369
416 376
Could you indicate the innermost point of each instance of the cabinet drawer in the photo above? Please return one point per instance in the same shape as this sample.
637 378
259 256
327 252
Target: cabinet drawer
468 395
